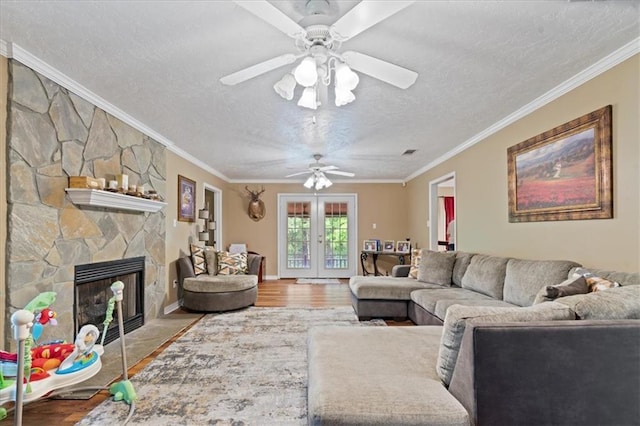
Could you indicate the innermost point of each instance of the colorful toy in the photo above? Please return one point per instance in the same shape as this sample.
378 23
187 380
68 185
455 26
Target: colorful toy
43 369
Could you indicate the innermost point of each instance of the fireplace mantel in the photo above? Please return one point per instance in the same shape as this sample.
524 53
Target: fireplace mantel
98 198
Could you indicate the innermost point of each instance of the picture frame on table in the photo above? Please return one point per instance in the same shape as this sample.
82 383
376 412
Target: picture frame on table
403 246
370 245
186 199
564 173
389 245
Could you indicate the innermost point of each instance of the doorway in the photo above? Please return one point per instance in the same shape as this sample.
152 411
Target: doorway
442 210
213 204
316 236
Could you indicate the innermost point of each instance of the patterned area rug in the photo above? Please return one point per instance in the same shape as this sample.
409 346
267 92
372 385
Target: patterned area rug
246 367
317 281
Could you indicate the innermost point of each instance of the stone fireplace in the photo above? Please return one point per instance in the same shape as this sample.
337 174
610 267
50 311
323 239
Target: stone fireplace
53 134
93 292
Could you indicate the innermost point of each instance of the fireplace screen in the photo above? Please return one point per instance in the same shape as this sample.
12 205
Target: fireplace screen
93 291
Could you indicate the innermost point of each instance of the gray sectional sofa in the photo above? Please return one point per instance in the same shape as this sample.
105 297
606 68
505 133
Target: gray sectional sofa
494 349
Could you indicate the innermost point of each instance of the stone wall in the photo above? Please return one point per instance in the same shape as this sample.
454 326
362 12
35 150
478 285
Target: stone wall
54 134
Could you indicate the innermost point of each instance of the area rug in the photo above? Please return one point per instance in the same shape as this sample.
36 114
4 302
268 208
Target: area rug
317 281
246 367
140 343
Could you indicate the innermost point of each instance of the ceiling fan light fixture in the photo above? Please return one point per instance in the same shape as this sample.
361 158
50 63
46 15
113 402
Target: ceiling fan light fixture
308 98
310 182
306 73
322 182
345 77
285 86
343 96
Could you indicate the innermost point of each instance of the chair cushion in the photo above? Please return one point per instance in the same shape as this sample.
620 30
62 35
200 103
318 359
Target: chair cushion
220 283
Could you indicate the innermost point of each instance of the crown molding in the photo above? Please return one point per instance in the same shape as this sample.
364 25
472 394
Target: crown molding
398 181
5 49
53 74
603 65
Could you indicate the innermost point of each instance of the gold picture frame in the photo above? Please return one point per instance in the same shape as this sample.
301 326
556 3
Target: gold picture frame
564 173
186 199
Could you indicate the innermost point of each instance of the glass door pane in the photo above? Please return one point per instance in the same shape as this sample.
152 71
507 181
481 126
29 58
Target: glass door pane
298 235
336 236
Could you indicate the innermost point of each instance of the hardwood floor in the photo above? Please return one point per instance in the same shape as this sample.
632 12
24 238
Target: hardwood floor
274 293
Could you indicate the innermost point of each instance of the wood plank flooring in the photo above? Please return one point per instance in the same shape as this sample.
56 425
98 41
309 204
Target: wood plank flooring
272 293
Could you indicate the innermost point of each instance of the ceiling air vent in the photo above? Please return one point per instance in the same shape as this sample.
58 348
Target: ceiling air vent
409 151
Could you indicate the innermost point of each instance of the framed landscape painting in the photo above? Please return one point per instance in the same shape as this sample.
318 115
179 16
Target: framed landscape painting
564 173
186 199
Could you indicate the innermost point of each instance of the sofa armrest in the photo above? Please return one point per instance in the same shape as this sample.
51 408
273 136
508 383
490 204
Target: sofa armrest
400 271
558 372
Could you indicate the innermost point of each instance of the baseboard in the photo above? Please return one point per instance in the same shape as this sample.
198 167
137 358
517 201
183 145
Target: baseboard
172 307
271 277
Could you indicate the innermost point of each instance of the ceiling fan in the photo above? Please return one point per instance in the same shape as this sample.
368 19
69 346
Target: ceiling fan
318 177
322 42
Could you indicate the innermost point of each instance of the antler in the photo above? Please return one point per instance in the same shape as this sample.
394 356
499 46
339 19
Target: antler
254 194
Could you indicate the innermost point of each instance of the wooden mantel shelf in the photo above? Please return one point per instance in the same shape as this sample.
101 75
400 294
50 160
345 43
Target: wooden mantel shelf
98 198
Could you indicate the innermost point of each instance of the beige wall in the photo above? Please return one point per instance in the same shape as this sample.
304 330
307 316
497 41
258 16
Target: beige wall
181 234
382 204
481 184
4 79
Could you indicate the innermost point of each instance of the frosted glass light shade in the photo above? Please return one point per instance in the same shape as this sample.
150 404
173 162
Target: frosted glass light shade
308 98
309 183
306 73
345 78
285 86
344 97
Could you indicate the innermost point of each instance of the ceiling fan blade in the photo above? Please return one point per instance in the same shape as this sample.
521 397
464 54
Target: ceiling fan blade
364 15
272 15
325 168
338 172
297 174
256 70
382 70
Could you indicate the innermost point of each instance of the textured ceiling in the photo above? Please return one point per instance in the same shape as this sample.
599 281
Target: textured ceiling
160 63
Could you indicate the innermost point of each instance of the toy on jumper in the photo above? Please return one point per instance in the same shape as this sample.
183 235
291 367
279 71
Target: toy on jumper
49 367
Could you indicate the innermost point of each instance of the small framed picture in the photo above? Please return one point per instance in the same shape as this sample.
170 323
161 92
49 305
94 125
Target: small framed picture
403 246
389 245
186 199
370 245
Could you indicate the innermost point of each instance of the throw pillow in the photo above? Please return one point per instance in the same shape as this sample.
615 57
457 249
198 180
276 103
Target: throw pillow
232 263
566 288
416 256
198 259
457 316
436 267
211 256
594 282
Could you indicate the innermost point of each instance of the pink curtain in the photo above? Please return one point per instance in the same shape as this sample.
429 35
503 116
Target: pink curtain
449 211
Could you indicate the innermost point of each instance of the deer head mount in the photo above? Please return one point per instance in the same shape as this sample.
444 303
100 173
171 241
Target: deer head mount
256 209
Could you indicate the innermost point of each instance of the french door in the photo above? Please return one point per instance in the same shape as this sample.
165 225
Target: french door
316 236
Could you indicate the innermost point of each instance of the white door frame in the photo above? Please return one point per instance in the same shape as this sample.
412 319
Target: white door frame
217 214
433 208
353 244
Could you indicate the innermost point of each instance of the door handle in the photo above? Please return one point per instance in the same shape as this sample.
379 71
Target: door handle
319 239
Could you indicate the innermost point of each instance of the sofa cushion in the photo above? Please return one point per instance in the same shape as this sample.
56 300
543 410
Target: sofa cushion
614 303
568 287
220 283
524 278
211 257
416 256
386 288
457 316
232 263
198 260
463 259
443 305
485 274
428 299
356 378
436 267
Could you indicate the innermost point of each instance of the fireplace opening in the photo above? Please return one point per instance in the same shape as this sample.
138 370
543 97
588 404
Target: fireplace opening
93 291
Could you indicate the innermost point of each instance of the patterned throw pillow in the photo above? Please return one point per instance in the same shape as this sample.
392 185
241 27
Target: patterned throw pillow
232 263
198 259
594 282
416 256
